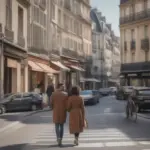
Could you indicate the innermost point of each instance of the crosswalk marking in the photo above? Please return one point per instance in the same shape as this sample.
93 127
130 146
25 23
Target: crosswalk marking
90 139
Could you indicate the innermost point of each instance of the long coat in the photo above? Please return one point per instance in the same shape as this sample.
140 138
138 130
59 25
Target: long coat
59 105
77 114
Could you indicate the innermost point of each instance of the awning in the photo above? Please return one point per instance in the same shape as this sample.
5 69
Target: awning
34 66
59 64
47 69
77 68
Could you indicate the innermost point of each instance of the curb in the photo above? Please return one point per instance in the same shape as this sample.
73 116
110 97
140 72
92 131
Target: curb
23 119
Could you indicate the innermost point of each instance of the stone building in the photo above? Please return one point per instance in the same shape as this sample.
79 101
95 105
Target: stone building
104 49
134 30
13 46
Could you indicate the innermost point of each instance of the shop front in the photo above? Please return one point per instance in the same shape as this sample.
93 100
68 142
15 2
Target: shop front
39 73
15 69
135 74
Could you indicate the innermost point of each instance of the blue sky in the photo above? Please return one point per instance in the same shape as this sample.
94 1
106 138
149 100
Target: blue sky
110 9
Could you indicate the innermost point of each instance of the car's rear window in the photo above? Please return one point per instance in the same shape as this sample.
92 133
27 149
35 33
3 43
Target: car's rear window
86 92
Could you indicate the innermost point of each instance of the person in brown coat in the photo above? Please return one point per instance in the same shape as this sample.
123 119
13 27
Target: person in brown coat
77 113
59 105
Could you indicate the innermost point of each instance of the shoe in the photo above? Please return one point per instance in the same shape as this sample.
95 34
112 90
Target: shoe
59 142
76 142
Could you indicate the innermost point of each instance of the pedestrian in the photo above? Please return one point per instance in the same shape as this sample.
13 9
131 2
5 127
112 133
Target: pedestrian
59 105
77 113
49 91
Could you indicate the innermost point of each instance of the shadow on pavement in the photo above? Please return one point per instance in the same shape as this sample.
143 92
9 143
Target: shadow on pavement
13 147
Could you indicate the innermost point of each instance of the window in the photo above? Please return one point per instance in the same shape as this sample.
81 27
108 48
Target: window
59 17
17 97
9 14
53 11
20 21
125 56
132 34
146 31
133 57
145 4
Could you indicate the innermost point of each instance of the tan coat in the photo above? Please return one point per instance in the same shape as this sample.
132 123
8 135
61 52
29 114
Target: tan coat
59 106
77 114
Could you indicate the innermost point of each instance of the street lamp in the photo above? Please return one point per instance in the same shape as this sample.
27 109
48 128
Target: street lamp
2 37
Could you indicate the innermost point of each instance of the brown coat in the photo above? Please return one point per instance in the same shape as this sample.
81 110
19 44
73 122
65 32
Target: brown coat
77 114
59 106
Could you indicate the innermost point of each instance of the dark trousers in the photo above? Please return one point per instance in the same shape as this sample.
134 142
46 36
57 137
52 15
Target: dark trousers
76 135
59 128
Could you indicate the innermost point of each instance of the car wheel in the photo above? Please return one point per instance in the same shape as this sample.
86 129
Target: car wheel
33 107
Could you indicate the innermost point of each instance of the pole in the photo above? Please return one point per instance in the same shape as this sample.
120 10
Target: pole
1 67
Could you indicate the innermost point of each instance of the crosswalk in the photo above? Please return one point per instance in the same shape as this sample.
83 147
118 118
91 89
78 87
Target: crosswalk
90 138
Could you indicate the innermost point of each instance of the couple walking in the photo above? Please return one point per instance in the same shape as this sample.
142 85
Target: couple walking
61 103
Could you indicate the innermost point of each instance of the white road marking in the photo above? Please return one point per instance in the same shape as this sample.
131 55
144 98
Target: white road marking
91 139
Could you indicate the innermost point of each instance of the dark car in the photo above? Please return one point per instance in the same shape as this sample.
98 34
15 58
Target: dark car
105 91
90 96
21 102
141 96
124 92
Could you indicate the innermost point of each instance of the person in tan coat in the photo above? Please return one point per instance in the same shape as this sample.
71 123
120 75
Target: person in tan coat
59 105
77 113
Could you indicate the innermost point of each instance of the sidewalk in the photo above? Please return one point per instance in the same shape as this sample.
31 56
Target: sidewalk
9 120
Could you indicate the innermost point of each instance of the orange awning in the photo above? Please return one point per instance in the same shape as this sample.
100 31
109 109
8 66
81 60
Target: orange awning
34 66
60 65
47 68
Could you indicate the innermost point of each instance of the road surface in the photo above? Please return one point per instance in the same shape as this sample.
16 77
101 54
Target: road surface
108 130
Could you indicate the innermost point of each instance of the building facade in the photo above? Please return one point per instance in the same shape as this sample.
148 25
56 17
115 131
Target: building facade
135 29
13 46
71 38
105 49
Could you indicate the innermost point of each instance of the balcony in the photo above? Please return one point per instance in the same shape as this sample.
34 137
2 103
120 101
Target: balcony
36 50
135 17
125 46
133 45
145 44
69 53
21 41
9 35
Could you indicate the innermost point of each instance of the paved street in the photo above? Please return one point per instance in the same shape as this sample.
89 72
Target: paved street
108 129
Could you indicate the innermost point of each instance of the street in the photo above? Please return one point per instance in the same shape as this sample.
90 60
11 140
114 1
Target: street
108 129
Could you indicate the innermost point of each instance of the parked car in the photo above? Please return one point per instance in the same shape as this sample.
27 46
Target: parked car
90 96
21 102
105 91
113 90
123 92
141 96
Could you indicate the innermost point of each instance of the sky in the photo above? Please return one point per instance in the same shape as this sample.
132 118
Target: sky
110 9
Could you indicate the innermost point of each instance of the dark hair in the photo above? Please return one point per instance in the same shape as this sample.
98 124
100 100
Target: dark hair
75 91
59 85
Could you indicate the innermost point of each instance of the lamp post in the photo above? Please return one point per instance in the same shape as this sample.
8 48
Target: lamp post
2 65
